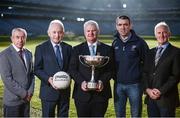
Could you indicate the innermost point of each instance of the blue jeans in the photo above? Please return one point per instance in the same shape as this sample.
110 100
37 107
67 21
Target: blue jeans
133 92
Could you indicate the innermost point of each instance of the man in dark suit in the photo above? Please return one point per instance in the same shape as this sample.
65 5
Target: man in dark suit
91 103
16 69
50 57
161 75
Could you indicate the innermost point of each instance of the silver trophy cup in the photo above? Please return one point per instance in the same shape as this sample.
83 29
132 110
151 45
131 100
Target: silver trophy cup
93 62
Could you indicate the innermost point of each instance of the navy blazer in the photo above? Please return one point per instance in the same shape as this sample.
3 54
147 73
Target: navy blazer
81 73
46 66
164 76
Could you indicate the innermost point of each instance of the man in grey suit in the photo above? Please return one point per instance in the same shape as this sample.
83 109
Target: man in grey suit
17 76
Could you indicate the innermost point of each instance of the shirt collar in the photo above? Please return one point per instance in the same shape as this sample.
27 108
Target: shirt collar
95 43
17 49
125 39
164 46
54 44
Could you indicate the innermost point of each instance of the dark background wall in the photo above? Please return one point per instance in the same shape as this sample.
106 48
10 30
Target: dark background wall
35 15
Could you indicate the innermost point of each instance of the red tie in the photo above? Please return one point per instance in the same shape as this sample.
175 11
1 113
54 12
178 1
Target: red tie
21 56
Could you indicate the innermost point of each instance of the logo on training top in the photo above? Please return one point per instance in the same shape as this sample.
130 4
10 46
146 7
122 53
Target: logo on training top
133 48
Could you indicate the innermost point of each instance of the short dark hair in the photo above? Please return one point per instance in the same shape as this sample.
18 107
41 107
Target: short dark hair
123 17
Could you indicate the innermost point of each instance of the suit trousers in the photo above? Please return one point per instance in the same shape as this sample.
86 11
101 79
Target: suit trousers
156 111
48 108
21 110
91 108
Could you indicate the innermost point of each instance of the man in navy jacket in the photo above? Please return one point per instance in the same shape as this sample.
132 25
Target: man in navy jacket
130 52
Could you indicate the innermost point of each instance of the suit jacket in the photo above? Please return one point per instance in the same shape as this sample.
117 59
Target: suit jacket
81 73
165 76
46 66
16 78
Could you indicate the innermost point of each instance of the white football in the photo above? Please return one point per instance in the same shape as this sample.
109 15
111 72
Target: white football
61 80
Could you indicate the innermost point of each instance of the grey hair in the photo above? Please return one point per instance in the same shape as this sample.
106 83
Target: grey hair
91 22
123 17
161 24
58 22
19 29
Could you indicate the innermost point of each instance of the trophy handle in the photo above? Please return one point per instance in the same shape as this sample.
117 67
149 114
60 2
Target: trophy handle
80 59
106 57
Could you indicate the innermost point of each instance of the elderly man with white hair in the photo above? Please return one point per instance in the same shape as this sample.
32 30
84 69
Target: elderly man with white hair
161 75
16 70
91 101
51 57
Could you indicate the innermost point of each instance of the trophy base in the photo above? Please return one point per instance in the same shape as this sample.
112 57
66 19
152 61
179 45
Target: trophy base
92 85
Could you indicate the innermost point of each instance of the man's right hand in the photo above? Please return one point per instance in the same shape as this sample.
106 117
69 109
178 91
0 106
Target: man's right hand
50 80
84 86
27 97
152 93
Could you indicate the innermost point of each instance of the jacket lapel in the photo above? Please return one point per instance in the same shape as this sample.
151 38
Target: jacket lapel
28 60
153 54
17 58
64 53
85 50
51 53
99 48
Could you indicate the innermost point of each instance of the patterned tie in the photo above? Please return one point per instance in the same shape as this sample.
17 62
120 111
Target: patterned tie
20 52
158 55
92 50
58 56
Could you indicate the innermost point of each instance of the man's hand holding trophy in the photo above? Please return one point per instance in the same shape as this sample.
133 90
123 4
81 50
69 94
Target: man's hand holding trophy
99 86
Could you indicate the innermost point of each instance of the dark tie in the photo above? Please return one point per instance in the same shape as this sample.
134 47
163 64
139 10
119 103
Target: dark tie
92 50
21 56
158 55
58 56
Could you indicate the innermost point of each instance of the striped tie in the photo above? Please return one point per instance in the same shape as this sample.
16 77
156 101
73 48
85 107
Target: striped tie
158 55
